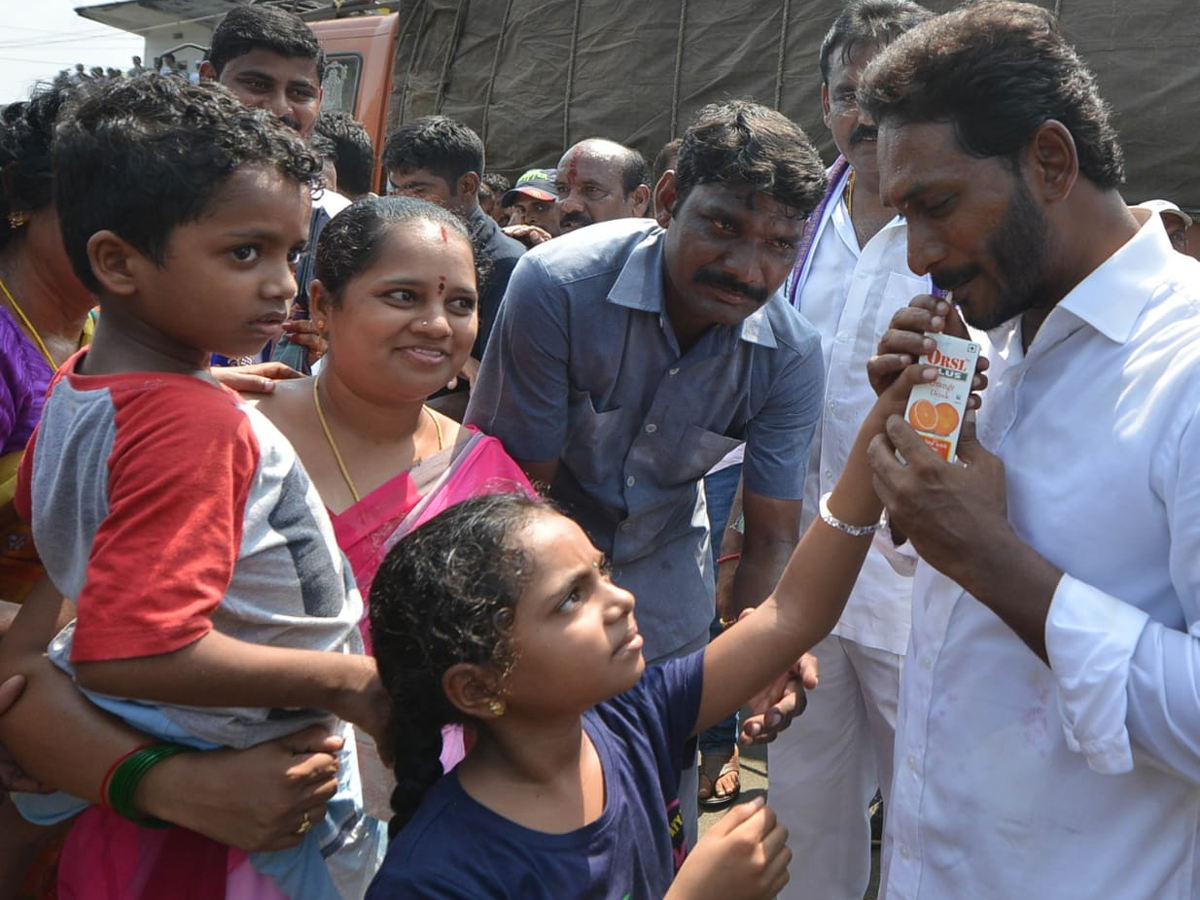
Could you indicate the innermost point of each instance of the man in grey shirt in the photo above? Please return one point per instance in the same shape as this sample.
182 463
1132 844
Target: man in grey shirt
630 357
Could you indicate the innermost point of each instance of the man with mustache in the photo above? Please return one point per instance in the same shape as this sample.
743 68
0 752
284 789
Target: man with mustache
850 277
599 180
1047 735
630 357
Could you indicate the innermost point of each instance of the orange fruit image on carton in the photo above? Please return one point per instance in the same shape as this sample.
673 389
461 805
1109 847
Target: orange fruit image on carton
947 419
936 409
923 416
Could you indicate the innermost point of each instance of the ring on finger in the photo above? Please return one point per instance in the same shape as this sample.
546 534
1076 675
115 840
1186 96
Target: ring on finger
305 825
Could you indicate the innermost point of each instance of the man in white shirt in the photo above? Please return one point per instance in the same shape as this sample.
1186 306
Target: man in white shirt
849 279
1047 738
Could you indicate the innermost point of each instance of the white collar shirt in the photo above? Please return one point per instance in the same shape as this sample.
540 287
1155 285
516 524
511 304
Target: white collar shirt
850 296
1082 779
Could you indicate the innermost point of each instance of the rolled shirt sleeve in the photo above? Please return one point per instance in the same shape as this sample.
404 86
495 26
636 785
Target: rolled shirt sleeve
1091 638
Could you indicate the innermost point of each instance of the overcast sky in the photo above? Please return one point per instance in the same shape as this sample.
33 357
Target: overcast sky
39 37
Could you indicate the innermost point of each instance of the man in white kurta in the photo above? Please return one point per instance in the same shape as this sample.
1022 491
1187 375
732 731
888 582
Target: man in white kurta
1048 731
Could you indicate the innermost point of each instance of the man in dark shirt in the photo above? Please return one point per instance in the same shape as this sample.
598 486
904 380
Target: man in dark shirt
438 159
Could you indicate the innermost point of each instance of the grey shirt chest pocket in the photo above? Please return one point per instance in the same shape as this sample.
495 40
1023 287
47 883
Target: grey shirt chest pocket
596 442
697 451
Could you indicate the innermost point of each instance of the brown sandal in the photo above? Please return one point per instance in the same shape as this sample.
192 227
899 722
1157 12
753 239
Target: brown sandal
713 768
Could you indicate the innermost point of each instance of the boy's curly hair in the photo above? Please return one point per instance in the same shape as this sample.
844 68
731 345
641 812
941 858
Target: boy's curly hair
141 156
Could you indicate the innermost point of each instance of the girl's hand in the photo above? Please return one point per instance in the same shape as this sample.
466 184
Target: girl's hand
744 856
905 341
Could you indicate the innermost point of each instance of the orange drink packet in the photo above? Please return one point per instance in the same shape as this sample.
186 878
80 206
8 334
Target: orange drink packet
936 409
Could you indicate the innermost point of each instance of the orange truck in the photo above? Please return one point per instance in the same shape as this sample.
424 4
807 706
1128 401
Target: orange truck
361 52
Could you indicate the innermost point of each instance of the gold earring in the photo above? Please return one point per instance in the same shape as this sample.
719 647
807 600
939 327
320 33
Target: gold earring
320 325
497 707
16 219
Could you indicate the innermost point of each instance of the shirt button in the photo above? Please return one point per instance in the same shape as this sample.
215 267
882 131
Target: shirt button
625 526
912 762
674 371
828 474
630 481
651 428
926 662
905 853
843 337
831 405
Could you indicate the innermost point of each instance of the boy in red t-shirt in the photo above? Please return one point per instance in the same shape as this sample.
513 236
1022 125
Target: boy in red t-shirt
211 594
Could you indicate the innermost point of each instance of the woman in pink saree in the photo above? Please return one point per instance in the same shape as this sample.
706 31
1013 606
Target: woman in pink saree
396 298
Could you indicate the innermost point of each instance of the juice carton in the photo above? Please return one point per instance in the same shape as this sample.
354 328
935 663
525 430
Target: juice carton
936 409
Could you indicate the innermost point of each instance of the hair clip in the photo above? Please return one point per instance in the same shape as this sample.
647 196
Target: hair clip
16 219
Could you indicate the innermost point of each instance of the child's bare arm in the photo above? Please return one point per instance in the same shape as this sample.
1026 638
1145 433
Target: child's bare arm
812 592
218 670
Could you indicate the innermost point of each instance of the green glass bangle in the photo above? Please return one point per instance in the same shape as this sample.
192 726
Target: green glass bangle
124 783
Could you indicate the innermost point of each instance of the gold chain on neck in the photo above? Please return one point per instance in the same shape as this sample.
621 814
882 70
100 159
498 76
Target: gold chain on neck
337 454
33 332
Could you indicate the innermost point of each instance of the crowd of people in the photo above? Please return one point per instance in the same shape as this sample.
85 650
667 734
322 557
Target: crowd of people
324 513
163 65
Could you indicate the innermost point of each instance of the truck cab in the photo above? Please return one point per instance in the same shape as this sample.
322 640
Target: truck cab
360 53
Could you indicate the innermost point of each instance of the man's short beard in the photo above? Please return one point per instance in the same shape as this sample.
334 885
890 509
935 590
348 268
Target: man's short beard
1020 248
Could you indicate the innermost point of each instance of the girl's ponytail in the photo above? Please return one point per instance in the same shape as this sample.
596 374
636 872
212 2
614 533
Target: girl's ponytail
417 740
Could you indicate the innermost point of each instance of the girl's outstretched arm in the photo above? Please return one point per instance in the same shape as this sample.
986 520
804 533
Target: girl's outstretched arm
810 596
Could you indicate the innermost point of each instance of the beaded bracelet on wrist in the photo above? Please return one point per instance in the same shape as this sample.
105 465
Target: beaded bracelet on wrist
853 530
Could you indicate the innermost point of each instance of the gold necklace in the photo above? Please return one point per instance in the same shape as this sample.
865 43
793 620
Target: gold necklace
337 455
849 194
37 338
